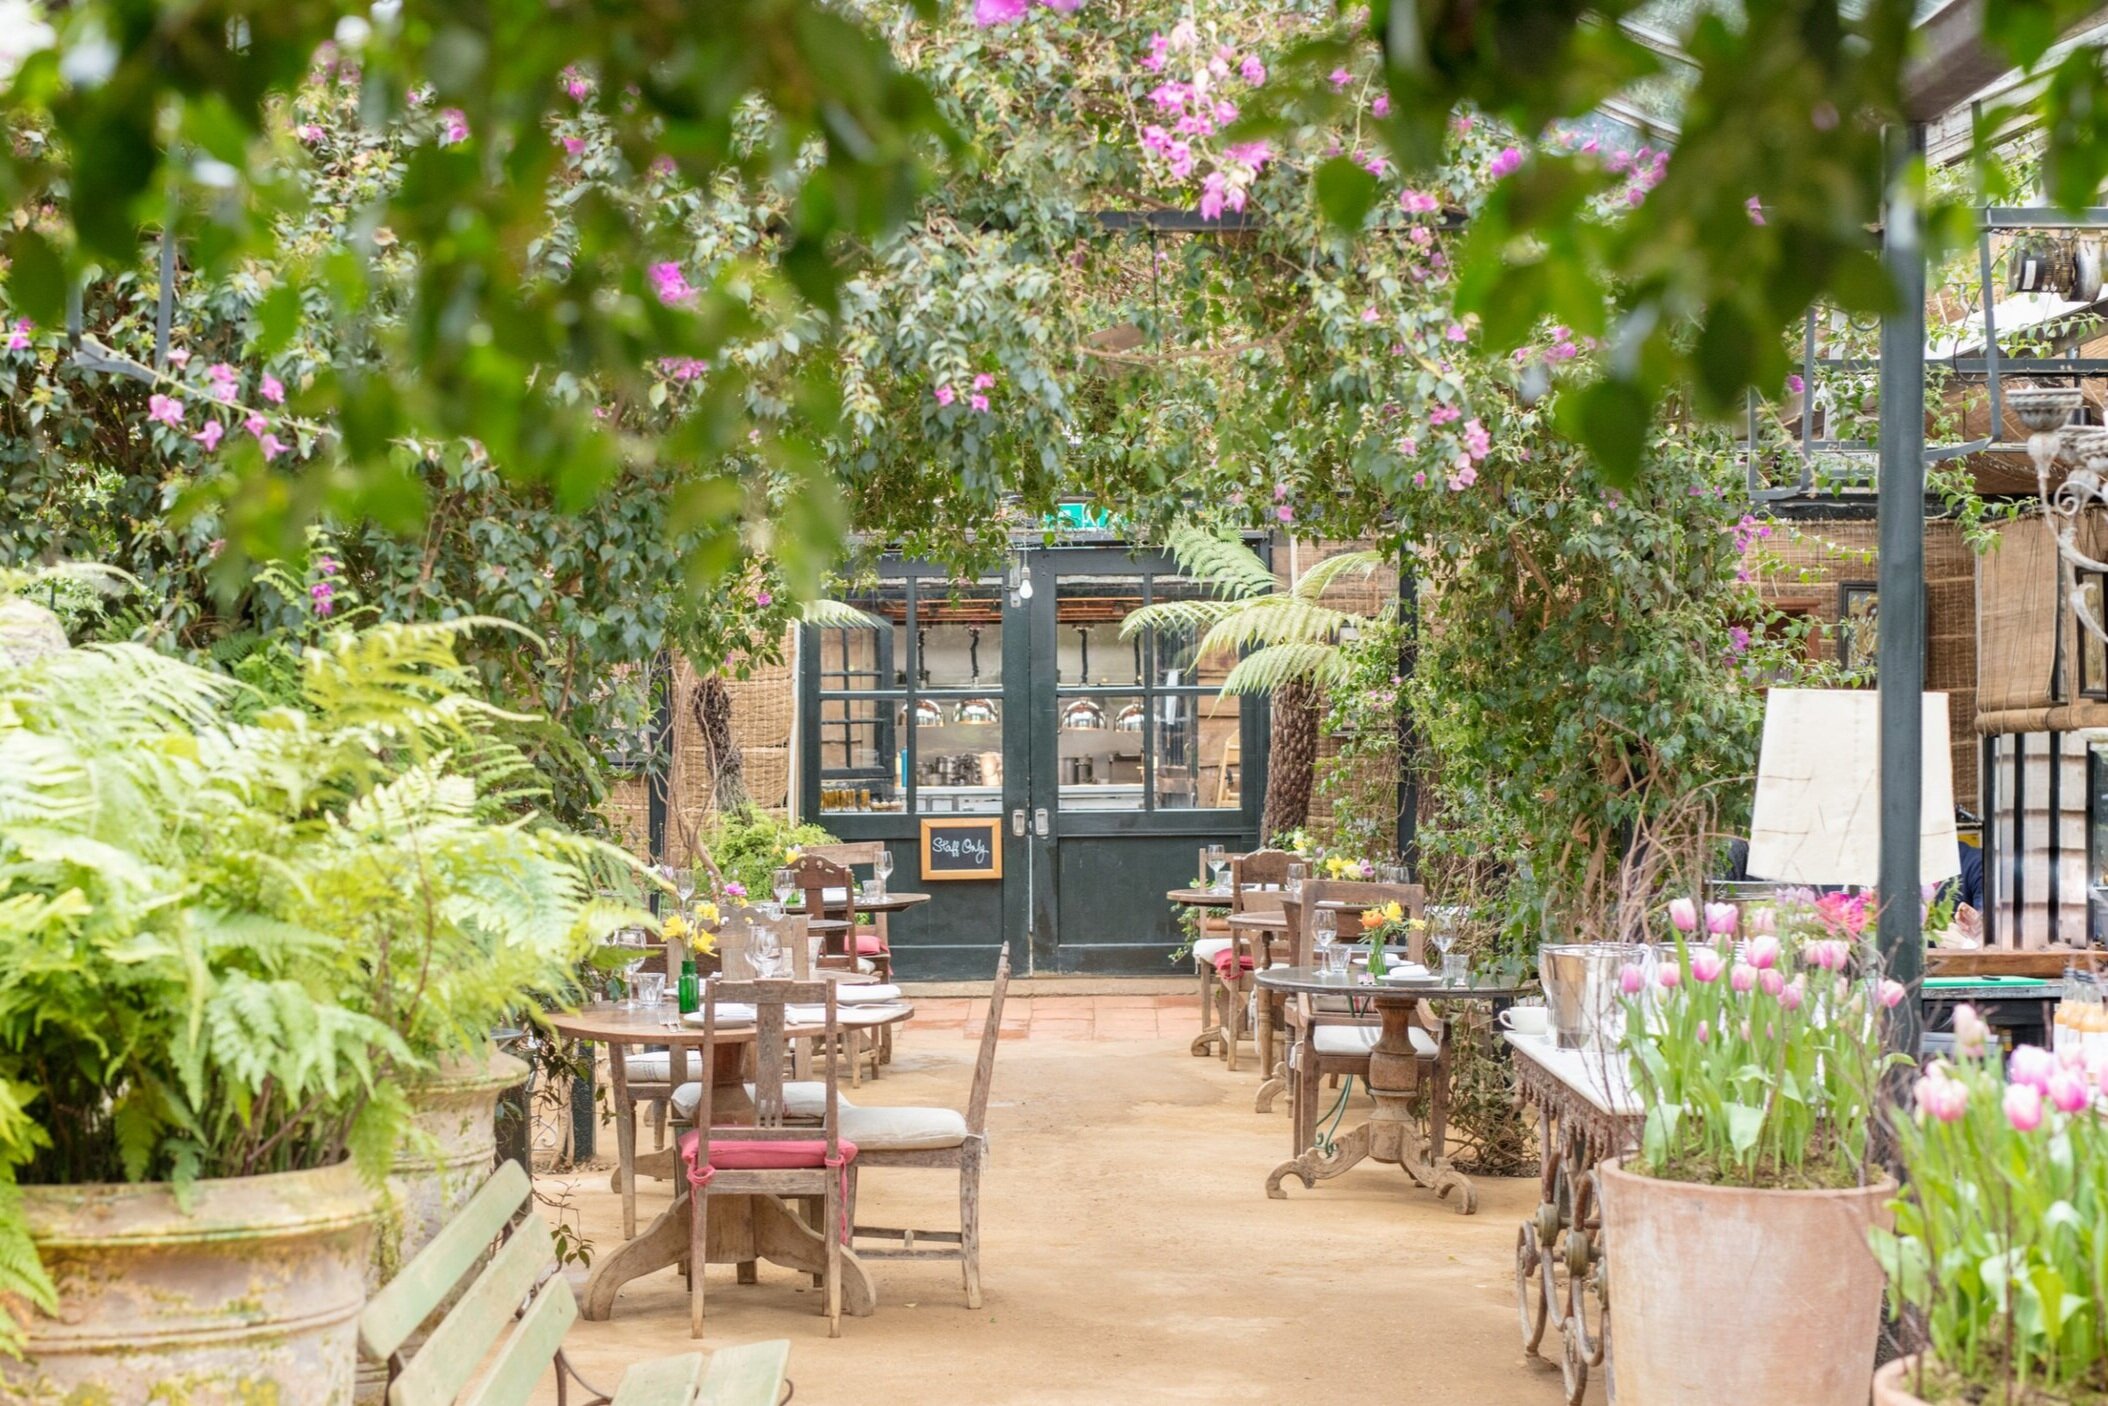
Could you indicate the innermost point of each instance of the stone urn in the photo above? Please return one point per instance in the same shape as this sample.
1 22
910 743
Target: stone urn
1794 1266
248 1290
449 1149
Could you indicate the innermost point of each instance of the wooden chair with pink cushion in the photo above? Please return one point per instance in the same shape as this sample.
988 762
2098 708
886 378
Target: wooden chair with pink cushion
1256 881
770 1157
874 943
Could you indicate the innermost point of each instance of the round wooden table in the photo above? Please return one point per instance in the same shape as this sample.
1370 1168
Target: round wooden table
1200 898
743 1229
1392 1134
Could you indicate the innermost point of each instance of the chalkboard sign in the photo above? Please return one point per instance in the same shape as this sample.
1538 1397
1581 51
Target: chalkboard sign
962 849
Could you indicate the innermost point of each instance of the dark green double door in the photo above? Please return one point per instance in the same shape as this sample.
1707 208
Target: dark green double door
1107 763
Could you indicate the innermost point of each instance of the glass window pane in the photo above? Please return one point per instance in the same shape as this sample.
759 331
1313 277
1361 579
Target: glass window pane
858 741
1178 659
958 757
1199 761
1098 751
961 635
2093 656
1088 649
858 658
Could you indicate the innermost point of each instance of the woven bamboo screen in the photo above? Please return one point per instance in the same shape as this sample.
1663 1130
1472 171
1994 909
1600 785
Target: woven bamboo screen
2028 683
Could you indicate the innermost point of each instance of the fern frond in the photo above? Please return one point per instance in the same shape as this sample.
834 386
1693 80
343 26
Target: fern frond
1276 620
1270 669
1178 616
1319 579
1221 561
837 615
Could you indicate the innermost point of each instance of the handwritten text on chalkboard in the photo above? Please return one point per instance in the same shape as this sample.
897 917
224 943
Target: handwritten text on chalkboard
963 849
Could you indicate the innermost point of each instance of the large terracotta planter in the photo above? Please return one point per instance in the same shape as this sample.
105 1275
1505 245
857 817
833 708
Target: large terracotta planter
248 1297
1892 1384
449 1150
1737 1297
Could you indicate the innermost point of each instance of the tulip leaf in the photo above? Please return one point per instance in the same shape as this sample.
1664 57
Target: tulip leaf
1744 1125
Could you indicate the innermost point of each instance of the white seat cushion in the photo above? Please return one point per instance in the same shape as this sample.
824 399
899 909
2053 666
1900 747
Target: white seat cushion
901 1129
1353 1040
802 1098
1207 949
875 994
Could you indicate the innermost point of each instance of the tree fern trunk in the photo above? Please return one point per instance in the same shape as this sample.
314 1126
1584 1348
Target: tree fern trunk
712 703
1291 759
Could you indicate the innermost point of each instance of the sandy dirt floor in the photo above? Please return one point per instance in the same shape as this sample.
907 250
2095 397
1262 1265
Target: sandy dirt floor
1129 1251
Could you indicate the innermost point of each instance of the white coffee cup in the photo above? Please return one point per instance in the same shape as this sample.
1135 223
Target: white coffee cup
1525 1020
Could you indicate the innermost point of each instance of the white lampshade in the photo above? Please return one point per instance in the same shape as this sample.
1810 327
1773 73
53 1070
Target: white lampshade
1817 817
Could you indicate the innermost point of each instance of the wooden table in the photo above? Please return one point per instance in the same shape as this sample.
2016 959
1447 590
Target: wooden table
1201 898
831 928
1391 1134
743 1229
1586 1111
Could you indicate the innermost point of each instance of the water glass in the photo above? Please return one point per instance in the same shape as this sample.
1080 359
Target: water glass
1332 961
871 890
1456 969
651 989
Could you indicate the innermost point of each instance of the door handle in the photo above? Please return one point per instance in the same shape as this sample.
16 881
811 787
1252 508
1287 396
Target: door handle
1039 822
1017 822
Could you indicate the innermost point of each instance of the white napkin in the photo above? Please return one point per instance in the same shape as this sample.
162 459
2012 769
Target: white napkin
728 1013
1407 971
877 993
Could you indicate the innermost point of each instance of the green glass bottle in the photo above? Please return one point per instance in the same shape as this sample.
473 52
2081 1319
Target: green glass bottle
690 991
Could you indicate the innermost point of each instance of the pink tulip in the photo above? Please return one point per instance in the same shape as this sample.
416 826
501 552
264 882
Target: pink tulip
1761 920
1970 1032
1684 914
2031 1065
1941 1097
2067 1091
1890 994
1720 918
1631 980
1705 1031
1669 976
1706 965
1772 980
1764 951
2023 1107
1743 978
1796 992
1830 954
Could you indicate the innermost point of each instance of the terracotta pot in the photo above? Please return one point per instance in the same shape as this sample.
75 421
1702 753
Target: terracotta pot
448 1151
1737 1297
1892 1384
250 1294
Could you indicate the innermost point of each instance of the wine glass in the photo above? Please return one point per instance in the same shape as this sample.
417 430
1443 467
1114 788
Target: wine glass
883 867
630 939
1441 932
784 883
1324 935
1218 860
1297 872
684 885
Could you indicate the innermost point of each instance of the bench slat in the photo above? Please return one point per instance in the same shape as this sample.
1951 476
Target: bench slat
661 1381
445 1361
394 1313
749 1375
529 1351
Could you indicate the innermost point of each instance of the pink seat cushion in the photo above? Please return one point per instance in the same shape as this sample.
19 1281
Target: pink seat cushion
1222 964
757 1155
870 944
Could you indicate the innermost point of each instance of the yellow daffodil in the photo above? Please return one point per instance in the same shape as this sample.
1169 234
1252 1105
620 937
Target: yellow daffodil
792 855
675 928
706 911
1392 913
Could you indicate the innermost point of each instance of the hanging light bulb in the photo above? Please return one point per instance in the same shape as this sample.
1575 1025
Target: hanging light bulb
928 714
1082 715
978 710
1129 719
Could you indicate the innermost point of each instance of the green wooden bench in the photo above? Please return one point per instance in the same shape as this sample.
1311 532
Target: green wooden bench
517 1288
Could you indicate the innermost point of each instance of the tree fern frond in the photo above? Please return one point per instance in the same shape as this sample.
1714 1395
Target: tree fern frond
1268 670
1276 620
1223 562
1320 578
1178 616
837 615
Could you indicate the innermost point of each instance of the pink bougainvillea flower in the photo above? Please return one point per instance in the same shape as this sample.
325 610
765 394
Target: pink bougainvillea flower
670 284
1738 639
1763 951
735 889
1418 202
1971 1034
1382 106
2023 1105
1795 384
1684 914
1706 964
1341 77
2031 1065
1631 980
309 133
989 13
166 409
210 435
945 395
323 596
270 446
1159 46
224 379
573 145
1251 70
1464 477
18 335
273 389
1756 210
2067 1091
1941 1097
1066 7
1180 155
1477 443
1371 315
1214 195
1251 154
1457 332
985 381
1285 513
576 85
978 402
1408 446
764 599
1506 163
256 424
1420 479
453 126
1890 994
1742 978
1375 165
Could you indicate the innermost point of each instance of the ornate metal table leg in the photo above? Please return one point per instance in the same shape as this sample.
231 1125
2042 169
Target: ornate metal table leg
1533 1290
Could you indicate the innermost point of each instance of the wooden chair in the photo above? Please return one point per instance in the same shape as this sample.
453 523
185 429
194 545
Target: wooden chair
516 1285
1330 1039
771 1157
874 943
1213 940
1256 881
940 1138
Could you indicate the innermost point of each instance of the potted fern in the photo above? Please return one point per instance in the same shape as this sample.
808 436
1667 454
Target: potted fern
227 947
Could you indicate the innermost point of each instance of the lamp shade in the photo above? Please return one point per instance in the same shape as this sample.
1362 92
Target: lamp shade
1817 817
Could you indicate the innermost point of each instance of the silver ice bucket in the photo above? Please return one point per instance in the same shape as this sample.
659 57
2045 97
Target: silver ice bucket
1581 991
